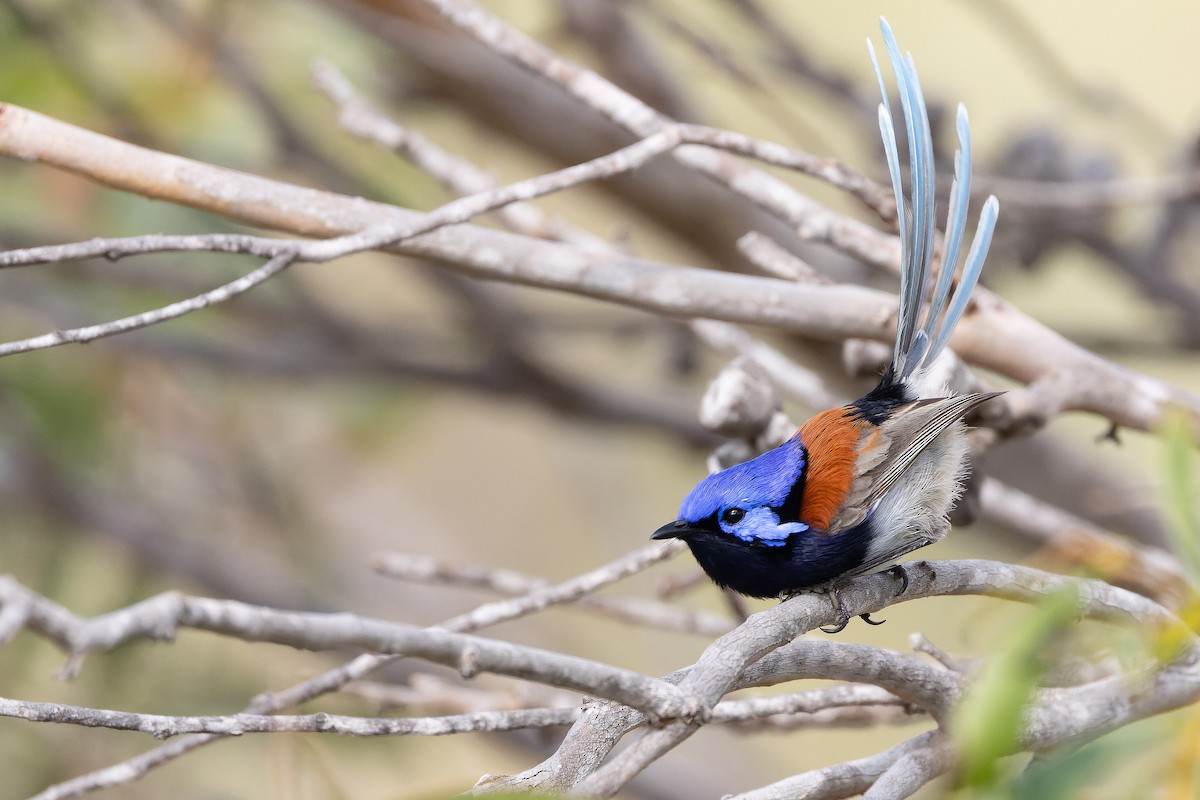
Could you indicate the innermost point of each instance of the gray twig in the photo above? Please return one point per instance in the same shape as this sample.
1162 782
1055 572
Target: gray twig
627 609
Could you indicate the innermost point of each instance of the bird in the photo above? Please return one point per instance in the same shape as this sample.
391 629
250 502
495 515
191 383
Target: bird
859 486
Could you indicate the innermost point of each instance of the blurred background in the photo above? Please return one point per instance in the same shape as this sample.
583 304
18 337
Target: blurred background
265 449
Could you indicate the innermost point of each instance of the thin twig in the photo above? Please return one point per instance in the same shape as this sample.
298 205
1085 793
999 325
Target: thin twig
329 681
1064 535
993 334
641 120
361 119
921 643
840 780
121 247
163 727
853 704
1088 195
627 609
912 770
173 311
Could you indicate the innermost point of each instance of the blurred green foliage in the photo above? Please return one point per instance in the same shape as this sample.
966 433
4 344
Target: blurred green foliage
987 724
1182 490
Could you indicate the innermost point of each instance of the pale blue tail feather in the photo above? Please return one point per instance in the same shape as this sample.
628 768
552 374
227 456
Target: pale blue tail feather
920 337
956 218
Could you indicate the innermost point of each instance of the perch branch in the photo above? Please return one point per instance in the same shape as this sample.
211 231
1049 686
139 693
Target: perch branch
728 661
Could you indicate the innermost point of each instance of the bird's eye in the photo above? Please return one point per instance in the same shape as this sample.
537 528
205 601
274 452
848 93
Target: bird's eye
732 516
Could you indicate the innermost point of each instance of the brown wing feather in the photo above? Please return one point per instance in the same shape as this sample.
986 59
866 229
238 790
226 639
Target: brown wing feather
887 452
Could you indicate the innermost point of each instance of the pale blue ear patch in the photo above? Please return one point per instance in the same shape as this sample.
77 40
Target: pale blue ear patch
761 524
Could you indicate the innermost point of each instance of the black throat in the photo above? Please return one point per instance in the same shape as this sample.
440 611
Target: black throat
805 560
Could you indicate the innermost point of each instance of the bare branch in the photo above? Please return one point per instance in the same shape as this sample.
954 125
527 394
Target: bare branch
126 771
1089 195
775 260
164 727
816 705
764 651
802 384
160 617
920 643
567 591
385 234
993 335
841 780
141 245
160 726
433 694
364 121
1150 570
329 681
911 771
745 657
361 119
509 582
921 685
845 706
809 218
173 311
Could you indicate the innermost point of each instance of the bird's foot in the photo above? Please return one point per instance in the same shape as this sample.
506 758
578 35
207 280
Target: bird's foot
900 573
843 616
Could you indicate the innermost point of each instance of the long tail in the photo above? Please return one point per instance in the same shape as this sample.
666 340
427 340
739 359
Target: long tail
924 328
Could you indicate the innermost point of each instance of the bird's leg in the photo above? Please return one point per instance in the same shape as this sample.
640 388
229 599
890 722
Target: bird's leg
843 616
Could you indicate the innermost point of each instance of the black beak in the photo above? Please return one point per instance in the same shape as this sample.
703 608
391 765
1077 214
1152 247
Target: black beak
679 529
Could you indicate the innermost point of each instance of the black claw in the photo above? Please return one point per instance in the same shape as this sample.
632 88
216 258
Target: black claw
898 571
867 619
843 616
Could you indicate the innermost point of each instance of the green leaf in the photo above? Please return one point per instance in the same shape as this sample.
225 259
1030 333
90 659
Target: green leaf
1180 487
987 723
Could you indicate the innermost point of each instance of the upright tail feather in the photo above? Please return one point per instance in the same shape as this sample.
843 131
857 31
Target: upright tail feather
928 313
